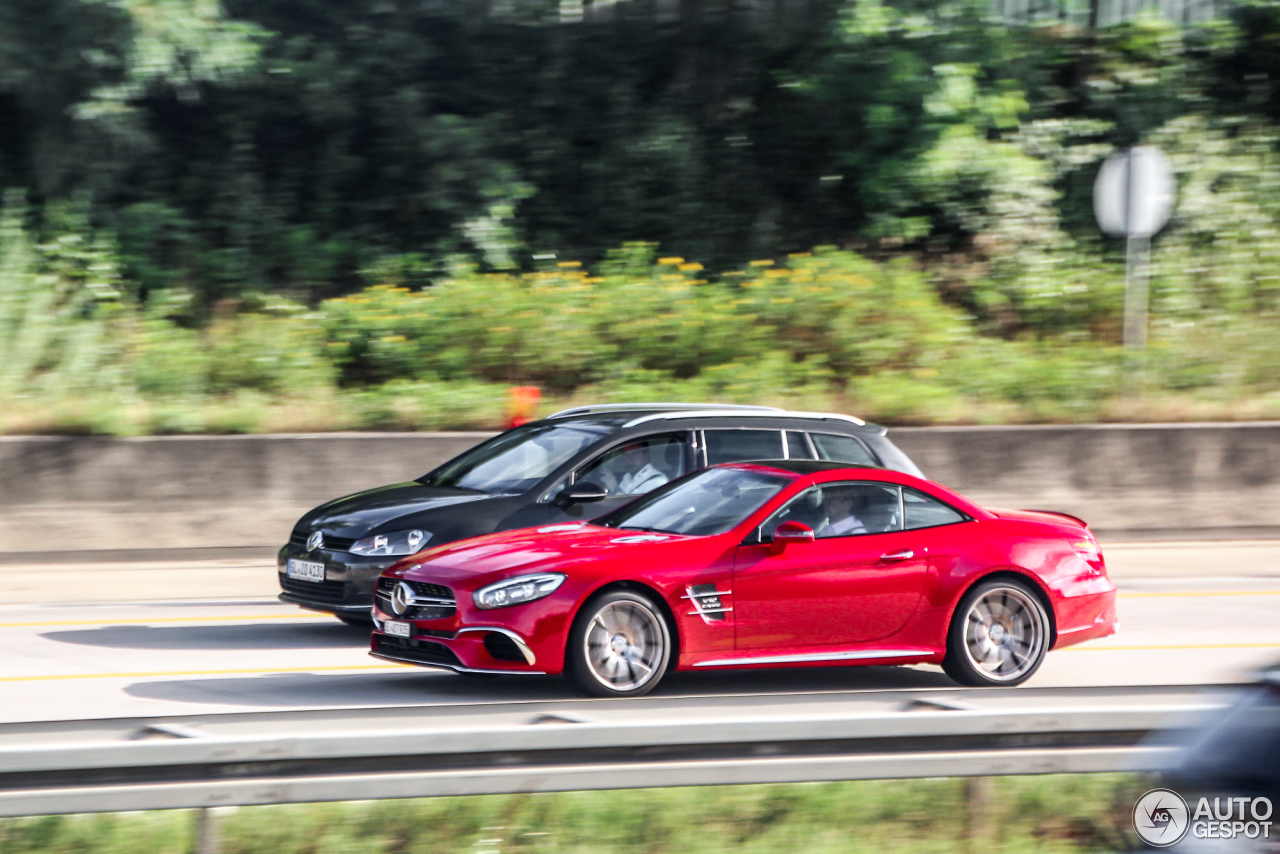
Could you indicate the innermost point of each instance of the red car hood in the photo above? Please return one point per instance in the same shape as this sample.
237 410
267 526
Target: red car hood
550 547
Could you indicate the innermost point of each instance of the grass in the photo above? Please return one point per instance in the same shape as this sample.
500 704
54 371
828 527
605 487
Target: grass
1060 813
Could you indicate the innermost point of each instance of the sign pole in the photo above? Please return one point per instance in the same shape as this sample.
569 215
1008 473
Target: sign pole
1137 256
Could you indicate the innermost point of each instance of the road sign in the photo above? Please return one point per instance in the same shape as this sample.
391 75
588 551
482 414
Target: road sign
1133 194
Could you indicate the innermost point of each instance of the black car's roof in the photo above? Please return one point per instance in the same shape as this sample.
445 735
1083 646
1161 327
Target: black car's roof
636 414
805 467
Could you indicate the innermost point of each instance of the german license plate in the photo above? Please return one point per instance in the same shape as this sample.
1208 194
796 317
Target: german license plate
305 570
400 630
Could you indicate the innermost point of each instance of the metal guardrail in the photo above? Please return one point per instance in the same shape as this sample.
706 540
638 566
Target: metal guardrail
166 765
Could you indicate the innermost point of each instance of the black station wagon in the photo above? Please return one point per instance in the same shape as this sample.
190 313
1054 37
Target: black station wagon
577 464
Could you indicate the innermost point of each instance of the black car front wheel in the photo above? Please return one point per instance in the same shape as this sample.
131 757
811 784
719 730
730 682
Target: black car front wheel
998 637
619 646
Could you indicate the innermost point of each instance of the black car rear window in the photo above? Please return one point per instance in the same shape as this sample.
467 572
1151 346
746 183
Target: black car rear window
731 446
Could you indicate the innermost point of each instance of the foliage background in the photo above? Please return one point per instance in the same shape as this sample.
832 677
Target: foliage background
1055 813
313 214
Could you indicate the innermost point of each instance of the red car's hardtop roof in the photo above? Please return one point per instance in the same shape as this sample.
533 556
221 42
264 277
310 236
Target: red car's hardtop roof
798 467
825 471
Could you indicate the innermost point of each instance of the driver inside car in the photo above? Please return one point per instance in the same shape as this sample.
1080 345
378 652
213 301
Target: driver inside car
630 472
840 517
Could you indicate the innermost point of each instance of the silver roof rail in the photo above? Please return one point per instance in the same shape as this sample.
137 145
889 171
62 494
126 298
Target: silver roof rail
630 407
713 413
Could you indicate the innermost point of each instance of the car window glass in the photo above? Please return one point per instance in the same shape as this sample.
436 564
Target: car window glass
640 466
729 446
842 449
923 511
515 461
797 447
706 503
840 510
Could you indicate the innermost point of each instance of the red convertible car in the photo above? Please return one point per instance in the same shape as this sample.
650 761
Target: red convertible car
792 563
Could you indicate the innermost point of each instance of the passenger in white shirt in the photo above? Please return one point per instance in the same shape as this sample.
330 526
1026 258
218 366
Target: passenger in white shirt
840 518
639 476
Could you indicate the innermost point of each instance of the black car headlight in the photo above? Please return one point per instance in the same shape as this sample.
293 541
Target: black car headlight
395 543
518 590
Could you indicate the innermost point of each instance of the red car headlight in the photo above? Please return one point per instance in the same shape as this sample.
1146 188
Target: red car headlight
518 590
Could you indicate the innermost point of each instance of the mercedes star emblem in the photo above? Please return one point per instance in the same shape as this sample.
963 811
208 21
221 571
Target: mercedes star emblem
401 599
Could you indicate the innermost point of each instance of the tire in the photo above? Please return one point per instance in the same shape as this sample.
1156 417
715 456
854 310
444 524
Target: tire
356 622
620 645
998 636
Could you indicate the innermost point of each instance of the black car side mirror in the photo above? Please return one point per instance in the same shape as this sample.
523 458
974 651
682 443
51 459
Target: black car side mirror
581 493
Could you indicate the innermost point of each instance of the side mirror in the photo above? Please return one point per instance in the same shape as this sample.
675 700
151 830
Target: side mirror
789 534
582 493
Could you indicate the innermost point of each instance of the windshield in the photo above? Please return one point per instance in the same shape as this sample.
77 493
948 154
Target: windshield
709 502
515 461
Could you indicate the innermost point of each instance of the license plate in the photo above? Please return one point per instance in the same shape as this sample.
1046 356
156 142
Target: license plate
305 570
400 630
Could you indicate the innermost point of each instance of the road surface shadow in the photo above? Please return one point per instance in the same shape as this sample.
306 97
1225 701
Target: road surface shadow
227 636
434 686
308 690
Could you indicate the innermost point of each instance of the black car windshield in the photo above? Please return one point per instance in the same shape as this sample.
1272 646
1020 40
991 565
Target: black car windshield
515 461
703 504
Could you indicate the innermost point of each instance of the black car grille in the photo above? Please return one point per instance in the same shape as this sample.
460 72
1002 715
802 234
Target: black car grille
426 652
318 591
331 543
382 597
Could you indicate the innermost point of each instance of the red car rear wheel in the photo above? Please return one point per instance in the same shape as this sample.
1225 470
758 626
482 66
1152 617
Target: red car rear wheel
998 636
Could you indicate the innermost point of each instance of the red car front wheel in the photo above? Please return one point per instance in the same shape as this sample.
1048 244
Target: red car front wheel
619 646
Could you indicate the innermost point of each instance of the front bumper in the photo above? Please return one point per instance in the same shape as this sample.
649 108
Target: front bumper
348 581
465 652
472 642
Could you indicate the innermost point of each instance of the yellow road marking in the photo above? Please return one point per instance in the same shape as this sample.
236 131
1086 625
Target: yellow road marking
1202 593
167 620
200 672
1275 645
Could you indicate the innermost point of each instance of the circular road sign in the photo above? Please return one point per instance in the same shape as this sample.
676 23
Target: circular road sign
1133 193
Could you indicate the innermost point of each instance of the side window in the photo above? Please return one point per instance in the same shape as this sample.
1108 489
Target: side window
923 511
840 510
729 446
842 449
797 447
641 466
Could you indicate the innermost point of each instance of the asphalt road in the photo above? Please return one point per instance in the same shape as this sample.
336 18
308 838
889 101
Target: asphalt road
178 639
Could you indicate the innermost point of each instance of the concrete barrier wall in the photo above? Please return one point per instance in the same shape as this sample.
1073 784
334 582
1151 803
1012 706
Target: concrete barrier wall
60 495
74 494
1146 481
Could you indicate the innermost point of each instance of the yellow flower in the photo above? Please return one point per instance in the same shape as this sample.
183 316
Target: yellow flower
672 261
691 268
765 263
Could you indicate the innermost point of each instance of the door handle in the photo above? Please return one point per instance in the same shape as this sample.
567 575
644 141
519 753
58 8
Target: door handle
893 557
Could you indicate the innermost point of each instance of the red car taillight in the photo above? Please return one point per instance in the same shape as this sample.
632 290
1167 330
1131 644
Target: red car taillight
1089 550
